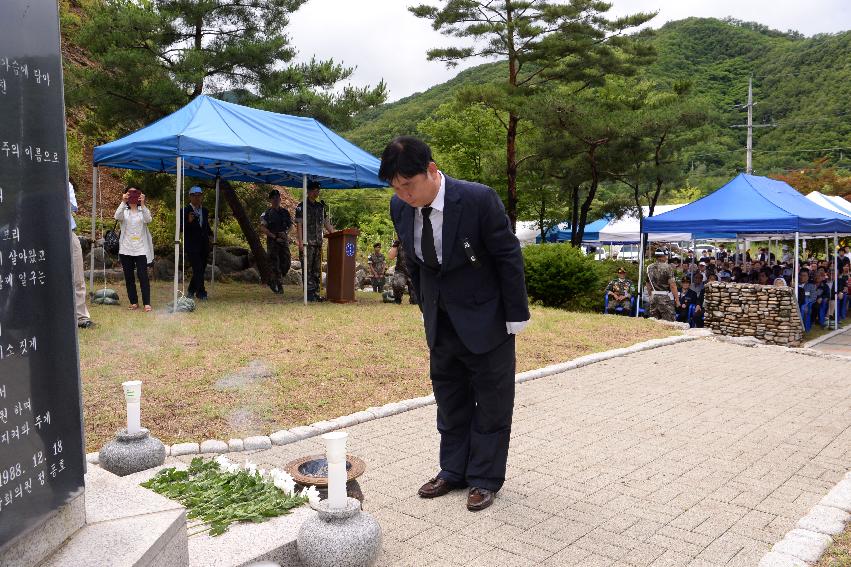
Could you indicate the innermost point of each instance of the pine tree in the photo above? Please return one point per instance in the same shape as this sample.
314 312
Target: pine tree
543 42
154 56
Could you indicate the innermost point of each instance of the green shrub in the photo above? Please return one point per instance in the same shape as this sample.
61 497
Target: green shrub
558 274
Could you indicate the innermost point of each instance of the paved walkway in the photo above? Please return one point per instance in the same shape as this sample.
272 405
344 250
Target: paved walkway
838 344
700 454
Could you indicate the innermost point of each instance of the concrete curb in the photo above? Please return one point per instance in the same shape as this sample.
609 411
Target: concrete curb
813 534
600 357
287 436
821 339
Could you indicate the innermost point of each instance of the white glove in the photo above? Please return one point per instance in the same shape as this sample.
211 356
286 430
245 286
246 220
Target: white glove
515 328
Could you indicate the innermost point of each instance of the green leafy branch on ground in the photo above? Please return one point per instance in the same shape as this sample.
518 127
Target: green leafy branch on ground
219 498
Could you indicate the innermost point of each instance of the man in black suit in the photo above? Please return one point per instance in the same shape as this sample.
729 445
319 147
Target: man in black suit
467 270
197 237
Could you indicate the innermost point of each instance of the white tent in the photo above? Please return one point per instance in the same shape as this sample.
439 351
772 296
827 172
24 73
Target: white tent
830 202
527 231
628 228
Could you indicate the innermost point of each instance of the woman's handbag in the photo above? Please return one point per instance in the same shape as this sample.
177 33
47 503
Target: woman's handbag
111 240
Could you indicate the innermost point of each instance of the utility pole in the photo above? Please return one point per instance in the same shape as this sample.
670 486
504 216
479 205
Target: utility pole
750 126
749 162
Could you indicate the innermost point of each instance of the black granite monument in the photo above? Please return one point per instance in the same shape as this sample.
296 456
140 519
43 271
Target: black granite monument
41 440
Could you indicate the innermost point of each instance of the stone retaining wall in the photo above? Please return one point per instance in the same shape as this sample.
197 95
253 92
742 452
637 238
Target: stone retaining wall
750 310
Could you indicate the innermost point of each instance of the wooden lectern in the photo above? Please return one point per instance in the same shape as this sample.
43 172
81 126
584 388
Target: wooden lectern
342 250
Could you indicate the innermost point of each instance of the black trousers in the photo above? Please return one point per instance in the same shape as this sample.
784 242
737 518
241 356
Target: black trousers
197 256
475 403
136 265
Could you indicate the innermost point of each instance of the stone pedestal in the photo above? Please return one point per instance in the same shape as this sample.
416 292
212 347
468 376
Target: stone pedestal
130 453
339 538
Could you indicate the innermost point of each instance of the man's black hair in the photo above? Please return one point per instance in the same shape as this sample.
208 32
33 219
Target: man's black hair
376 245
311 185
405 156
687 279
274 193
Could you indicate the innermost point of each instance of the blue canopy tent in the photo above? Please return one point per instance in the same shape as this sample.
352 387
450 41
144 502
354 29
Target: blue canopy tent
561 232
213 139
750 205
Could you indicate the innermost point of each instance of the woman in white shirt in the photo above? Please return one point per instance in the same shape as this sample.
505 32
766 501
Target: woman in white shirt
136 246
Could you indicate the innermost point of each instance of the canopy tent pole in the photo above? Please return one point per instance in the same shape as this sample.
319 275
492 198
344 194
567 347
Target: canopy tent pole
835 282
94 225
177 223
640 274
215 235
691 266
797 260
182 240
304 234
826 253
738 250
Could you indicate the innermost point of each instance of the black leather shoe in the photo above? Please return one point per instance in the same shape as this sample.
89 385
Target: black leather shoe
436 487
479 499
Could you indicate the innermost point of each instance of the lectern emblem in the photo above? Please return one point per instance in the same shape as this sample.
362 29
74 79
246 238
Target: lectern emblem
350 249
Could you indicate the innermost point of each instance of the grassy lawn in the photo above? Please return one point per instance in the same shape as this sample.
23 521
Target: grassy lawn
838 554
250 362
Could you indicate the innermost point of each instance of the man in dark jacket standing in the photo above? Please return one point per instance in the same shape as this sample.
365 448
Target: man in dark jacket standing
197 236
467 269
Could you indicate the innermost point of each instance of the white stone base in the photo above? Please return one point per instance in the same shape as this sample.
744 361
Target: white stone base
126 526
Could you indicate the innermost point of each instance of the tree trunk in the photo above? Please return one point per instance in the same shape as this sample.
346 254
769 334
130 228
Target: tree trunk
513 119
199 27
574 213
248 230
511 170
589 198
657 160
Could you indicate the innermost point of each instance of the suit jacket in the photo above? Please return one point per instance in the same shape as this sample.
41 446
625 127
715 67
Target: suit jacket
197 236
481 296
688 298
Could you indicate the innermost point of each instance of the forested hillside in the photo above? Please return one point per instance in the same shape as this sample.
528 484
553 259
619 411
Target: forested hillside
802 87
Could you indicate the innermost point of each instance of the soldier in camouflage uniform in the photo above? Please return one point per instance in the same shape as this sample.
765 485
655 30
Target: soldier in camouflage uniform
377 268
665 296
401 279
310 252
619 291
275 223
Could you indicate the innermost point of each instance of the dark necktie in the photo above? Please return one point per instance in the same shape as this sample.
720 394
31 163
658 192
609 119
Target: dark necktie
427 244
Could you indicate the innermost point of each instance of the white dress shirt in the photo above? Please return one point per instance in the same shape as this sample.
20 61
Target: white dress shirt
199 213
436 218
72 197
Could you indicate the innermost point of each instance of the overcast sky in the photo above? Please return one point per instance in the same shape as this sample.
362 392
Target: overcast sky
383 40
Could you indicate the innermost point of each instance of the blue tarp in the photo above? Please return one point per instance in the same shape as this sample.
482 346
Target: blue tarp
750 204
561 233
238 143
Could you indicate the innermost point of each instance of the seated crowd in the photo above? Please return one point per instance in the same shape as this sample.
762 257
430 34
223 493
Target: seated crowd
815 281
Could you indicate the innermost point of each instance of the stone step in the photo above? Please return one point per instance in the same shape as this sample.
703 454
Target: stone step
126 526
